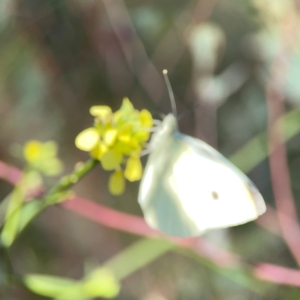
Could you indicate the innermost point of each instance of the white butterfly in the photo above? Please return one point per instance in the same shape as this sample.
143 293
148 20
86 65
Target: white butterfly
188 187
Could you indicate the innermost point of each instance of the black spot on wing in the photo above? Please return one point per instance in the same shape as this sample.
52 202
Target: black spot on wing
215 195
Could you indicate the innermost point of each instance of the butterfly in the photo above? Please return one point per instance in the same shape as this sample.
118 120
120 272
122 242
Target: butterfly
188 187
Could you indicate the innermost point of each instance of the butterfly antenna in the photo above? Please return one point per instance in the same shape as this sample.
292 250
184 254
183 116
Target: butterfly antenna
170 91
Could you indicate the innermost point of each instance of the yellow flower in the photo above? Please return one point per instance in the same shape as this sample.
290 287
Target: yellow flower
101 111
134 169
117 138
125 133
116 183
87 139
146 118
110 136
32 150
42 157
99 150
111 160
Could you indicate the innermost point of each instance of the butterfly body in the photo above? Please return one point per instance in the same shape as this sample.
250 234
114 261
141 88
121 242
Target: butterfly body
188 187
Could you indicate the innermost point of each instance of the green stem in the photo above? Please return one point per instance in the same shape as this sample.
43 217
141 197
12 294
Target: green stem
33 208
68 181
9 271
58 190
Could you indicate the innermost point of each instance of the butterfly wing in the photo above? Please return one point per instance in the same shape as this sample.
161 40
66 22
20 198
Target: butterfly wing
163 207
188 187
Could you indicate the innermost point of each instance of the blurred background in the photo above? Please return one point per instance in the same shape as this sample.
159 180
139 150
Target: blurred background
226 60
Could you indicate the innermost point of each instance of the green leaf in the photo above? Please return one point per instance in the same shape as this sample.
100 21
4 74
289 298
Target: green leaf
20 216
101 283
29 211
256 150
33 208
55 287
12 217
137 256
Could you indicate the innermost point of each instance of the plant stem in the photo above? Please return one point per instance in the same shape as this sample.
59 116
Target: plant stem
58 192
9 271
68 181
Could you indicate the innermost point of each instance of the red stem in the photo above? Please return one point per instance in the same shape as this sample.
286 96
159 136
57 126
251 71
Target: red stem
286 209
136 225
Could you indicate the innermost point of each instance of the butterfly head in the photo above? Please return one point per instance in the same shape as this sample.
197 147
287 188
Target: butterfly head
167 127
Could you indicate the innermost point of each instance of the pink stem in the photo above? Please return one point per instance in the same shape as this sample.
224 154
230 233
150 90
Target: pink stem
277 274
286 209
136 225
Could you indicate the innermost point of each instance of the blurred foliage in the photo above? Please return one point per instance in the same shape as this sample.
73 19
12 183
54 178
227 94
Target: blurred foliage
99 283
58 58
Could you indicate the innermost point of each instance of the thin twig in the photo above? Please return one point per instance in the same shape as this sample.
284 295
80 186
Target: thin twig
286 209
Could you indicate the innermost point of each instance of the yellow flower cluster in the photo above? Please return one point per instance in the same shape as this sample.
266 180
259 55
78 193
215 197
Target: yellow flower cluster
43 157
117 138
